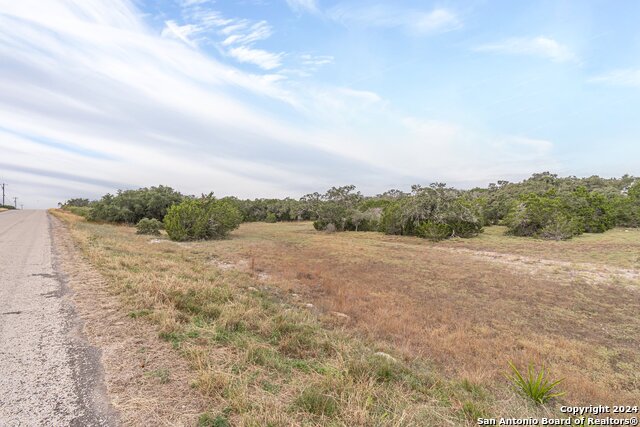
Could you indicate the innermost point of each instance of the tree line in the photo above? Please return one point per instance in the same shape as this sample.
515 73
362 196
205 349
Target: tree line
544 206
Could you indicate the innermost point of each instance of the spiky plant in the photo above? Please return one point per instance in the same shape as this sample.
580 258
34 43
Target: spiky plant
536 385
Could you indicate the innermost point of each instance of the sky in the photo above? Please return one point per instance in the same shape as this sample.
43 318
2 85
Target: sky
274 98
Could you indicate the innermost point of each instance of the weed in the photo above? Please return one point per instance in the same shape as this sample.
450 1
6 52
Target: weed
315 400
536 386
471 411
208 420
212 383
135 314
379 368
174 338
161 374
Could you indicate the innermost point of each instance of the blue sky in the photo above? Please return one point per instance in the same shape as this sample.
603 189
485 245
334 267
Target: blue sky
261 98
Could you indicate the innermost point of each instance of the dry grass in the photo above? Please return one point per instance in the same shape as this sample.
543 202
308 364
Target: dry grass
258 358
470 305
281 323
146 381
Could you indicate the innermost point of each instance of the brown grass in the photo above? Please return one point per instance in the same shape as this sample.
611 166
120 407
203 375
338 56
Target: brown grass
148 384
280 323
462 305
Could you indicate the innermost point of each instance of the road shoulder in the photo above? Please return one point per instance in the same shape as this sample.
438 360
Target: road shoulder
130 350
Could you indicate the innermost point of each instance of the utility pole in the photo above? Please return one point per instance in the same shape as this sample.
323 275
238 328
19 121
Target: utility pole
3 184
15 202
21 206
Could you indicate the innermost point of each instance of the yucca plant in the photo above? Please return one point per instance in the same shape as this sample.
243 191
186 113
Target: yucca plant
536 385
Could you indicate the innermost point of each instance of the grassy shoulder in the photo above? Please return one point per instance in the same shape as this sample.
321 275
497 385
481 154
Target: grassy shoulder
264 359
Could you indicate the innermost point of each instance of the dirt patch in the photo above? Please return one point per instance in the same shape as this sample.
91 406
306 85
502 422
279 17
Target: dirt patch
132 354
588 273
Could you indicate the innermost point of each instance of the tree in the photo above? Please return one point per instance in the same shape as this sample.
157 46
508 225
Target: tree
130 206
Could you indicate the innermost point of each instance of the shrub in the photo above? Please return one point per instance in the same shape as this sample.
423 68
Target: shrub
131 206
334 207
545 216
593 210
433 231
270 217
392 221
627 209
83 211
205 218
560 227
79 202
149 226
536 386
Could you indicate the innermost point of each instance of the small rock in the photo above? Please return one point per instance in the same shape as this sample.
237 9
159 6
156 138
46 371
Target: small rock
384 355
308 305
252 289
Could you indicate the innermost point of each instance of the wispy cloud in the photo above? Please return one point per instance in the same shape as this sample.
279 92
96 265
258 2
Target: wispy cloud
541 46
262 58
181 32
246 34
303 5
623 77
96 89
236 37
383 15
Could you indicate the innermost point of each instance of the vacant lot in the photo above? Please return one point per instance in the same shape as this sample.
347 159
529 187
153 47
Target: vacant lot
280 311
472 304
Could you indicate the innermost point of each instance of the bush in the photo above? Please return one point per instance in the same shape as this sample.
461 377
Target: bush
79 202
270 217
536 386
433 231
131 206
560 216
205 218
83 211
560 227
392 221
149 226
543 216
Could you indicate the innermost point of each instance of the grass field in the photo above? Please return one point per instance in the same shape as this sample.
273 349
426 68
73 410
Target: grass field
282 323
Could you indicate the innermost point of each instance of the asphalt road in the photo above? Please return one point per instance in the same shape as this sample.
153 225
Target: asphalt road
49 375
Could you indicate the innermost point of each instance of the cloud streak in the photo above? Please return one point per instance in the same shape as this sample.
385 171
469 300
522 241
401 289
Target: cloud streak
541 46
92 98
628 77
381 15
300 6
